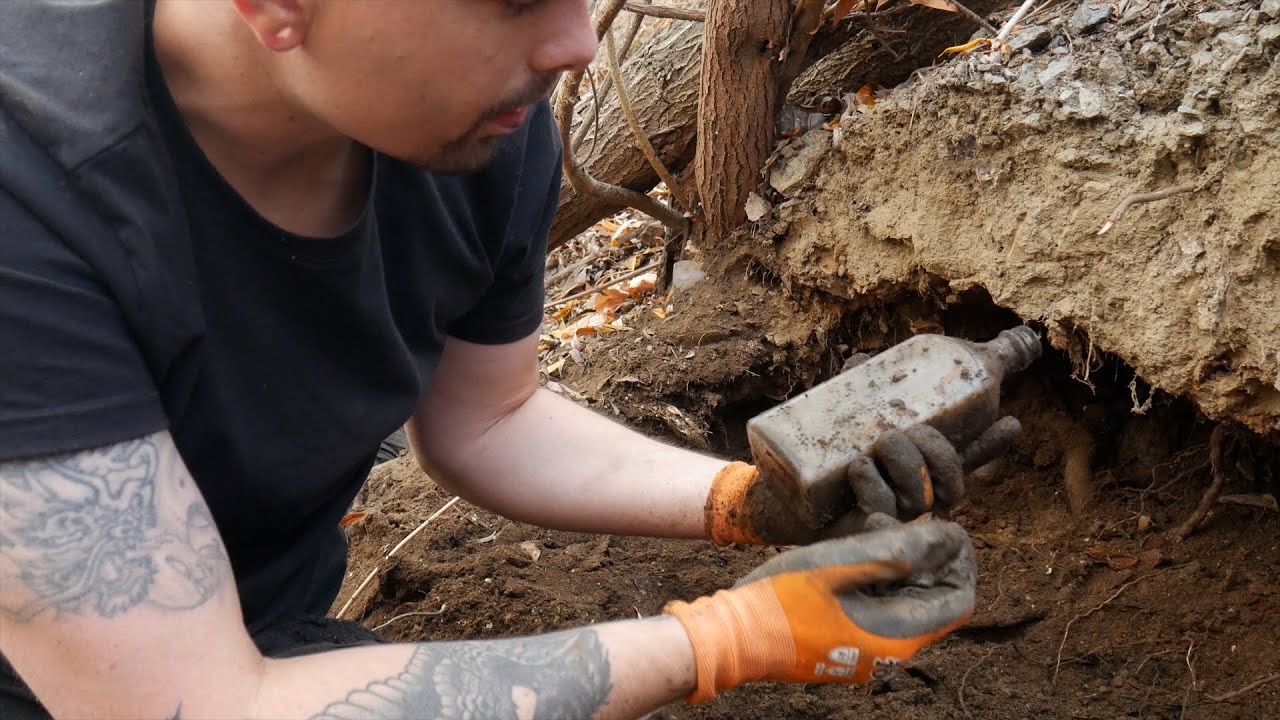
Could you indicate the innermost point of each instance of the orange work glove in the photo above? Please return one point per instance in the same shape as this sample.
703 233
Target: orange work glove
845 610
905 475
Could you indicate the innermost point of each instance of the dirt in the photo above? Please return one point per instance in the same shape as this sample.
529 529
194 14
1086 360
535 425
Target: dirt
999 175
1084 616
965 204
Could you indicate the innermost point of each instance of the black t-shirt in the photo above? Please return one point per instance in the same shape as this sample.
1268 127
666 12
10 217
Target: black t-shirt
277 362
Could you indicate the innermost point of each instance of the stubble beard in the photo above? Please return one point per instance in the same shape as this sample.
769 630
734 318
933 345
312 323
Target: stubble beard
475 150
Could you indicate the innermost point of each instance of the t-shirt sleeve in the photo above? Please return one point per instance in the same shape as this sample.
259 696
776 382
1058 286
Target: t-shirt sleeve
511 308
71 376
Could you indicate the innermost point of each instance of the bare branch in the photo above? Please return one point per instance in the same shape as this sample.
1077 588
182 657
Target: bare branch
666 12
566 100
981 21
642 140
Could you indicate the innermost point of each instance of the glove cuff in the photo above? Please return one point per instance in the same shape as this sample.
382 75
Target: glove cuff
727 518
738 636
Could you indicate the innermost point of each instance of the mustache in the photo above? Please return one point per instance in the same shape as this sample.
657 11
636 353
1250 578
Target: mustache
540 89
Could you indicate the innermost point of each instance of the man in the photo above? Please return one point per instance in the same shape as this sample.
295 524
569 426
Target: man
245 240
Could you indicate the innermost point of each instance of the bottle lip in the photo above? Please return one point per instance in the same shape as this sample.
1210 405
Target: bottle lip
1023 345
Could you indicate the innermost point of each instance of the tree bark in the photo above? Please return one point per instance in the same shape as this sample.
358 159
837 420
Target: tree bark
739 101
662 79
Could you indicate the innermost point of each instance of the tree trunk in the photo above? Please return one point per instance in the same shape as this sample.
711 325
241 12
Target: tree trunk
662 80
739 102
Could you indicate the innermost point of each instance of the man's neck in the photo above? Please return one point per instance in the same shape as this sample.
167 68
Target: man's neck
296 171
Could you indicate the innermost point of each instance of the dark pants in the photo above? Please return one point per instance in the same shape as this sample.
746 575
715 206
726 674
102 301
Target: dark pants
300 637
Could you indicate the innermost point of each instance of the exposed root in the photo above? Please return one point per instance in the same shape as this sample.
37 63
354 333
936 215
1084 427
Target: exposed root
1217 466
1147 197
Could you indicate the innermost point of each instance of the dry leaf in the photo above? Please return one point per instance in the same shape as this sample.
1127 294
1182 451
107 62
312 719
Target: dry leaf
844 7
642 285
662 314
609 300
351 519
965 47
1115 559
563 312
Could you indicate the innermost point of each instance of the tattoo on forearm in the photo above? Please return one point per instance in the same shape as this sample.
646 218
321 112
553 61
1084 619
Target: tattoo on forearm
103 531
562 676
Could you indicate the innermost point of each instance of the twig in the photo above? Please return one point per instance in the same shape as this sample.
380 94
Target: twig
579 178
662 11
1237 693
598 288
1195 685
974 16
1067 630
374 572
1124 205
965 678
1217 466
1017 18
568 271
402 616
1264 502
642 140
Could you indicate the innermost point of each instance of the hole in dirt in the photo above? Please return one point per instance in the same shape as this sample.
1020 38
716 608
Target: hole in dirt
1087 416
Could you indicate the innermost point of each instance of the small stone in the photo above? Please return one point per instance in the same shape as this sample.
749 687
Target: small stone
1144 523
994 79
757 207
790 174
1092 103
1220 19
1049 76
685 274
1269 34
1271 8
1088 17
1034 38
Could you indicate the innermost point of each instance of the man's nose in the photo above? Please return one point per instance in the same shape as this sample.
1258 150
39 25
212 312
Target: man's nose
570 40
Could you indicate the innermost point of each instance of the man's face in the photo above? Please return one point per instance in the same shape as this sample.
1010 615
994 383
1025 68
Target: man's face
437 83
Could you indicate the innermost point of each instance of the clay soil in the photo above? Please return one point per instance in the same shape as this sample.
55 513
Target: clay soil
1081 617
965 203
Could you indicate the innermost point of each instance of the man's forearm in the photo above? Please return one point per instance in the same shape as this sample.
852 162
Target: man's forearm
556 464
615 670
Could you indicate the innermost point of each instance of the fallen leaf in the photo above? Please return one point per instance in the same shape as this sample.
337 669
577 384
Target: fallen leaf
642 285
1115 559
965 47
662 314
563 312
556 367
351 519
844 7
609 300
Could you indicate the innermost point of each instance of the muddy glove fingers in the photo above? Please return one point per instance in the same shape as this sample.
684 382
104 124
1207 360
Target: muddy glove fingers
906 471
844 610
993 443
891 553
946 473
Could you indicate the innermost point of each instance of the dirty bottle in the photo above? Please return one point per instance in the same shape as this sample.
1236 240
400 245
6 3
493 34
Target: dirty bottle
804 446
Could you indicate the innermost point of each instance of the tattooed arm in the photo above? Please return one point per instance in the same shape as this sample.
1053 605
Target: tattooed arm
117 600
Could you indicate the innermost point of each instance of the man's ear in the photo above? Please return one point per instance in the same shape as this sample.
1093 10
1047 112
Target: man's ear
279 25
